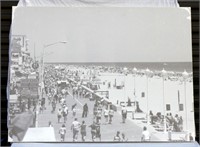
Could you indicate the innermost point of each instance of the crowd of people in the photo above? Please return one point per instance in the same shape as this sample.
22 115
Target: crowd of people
96 70
174 124
56 93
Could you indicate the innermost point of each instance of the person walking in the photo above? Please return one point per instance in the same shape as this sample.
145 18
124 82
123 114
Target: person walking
49 98
175 124
53 106
180 123
59 114
43 103
74 91
145 135
98 117
111 114
40 108
85 110
106 113
65 113
75 128
98 131
62 133
93 131
74 110
124 114
83 131
56 98
62 101
29 104
95 110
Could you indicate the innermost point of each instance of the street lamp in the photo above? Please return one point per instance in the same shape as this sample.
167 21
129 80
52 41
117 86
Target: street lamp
42 75
45 46
164 75
125 72
134 74
147 73
185 76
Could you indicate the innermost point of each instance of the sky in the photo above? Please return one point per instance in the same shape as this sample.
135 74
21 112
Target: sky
99 34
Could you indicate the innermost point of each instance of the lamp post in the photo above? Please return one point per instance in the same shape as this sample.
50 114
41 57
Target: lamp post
185 76
42 72
42 77
125 72
147 73
164 74
134 74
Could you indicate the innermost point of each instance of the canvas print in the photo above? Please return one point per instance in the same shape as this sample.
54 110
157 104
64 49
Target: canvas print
97 74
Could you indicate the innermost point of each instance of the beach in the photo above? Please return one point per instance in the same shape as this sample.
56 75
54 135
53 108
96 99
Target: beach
157 98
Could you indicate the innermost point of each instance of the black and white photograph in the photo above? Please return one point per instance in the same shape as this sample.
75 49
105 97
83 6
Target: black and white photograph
100 74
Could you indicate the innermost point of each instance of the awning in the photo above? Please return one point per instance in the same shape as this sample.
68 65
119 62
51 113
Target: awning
13 98
21 123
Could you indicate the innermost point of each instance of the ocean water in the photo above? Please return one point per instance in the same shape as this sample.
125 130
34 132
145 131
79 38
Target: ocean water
169 66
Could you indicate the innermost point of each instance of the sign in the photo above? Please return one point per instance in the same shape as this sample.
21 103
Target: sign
35 65
33 85
29 86
34 94
29 93
32 76
103 93
25 93
13 98
24 83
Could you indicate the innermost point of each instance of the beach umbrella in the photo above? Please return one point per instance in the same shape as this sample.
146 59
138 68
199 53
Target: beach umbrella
185 74
18 74
134 70
164 73
147 70
125 69
21 123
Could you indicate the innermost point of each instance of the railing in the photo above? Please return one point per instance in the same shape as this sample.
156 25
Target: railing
108 102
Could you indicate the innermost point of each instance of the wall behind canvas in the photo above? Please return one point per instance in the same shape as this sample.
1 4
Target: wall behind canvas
6 13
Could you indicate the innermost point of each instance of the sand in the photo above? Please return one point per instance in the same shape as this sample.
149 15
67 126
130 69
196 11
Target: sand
156 98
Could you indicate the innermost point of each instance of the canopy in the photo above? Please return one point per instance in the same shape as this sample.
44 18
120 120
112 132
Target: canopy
13 98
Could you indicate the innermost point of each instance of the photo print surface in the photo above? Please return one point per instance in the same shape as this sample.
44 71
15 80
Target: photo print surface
97 74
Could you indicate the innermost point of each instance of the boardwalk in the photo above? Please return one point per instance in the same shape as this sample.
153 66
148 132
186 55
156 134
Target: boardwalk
131 130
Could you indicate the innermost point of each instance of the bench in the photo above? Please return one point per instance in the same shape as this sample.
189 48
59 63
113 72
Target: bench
139 115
